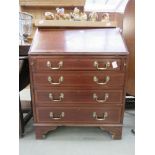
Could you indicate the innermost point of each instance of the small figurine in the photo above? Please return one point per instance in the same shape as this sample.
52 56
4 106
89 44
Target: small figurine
60 15
93 16
76 14
67 16
57 17
49 16
76 17
105 17
71 15
83 16
76 11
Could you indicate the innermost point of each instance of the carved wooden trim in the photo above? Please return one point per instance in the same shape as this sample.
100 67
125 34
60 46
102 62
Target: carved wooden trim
40 131
116 132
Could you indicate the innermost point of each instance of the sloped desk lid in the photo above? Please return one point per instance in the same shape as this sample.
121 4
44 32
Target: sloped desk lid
78 41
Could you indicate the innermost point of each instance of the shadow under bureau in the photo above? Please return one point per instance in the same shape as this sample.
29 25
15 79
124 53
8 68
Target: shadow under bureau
78 79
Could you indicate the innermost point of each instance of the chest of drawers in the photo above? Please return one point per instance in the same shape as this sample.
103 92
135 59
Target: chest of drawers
78 79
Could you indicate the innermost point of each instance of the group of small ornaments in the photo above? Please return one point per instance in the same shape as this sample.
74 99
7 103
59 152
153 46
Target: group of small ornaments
76 15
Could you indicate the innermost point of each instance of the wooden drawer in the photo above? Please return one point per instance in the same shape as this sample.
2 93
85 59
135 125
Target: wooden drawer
78 97
77 63
81 79
78 114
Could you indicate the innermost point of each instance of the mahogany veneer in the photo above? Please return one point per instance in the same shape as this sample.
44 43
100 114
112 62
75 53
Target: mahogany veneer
78 79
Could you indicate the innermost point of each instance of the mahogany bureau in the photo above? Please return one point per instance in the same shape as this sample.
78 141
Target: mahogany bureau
78 79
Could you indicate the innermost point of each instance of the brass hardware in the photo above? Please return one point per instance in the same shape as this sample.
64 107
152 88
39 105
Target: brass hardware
60 64
101 101
96 64
56 100
107 79
105 115
57 118
54 83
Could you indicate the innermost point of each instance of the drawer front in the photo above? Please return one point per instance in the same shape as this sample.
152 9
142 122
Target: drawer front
81 79
76 97
77 114
80 63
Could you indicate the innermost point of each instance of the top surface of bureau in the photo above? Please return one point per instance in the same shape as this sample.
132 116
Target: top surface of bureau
78 42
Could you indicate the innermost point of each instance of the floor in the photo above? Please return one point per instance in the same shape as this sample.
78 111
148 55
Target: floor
78 140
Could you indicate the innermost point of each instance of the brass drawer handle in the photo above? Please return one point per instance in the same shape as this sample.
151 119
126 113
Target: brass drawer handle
96 64
107 79
56 100
101 101
61 115
60 64
55 83
105 115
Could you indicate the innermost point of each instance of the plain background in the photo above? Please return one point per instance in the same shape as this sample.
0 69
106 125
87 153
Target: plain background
145 77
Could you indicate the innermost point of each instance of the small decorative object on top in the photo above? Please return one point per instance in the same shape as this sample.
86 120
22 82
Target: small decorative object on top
93 16
49 16
105 17
67 16
60 15
76 14
83 16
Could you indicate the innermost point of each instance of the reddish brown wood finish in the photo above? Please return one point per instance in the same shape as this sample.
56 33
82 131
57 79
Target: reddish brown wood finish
77 97
75 63
42 130
78 107
78 42
80 79
116 132
79 115
129 36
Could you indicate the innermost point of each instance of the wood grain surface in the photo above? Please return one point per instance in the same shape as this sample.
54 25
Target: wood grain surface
129 36
78 52
71 41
